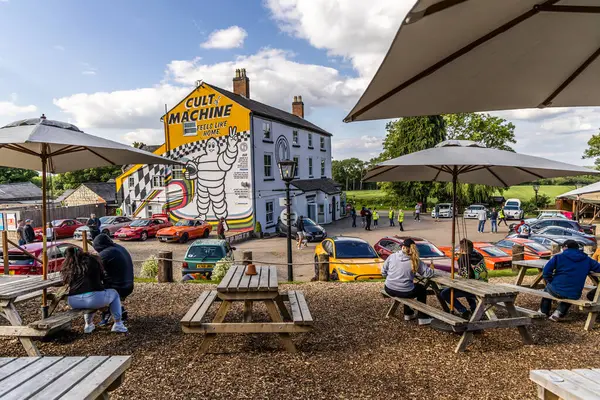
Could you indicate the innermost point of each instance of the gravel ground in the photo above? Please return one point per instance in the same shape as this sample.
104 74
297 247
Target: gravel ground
353 351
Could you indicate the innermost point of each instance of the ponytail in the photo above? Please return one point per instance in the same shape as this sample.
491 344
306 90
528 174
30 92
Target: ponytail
414 257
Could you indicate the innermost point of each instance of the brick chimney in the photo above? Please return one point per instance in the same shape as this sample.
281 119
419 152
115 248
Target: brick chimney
241 83
298 107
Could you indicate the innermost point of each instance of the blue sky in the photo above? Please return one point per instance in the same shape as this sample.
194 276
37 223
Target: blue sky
110 66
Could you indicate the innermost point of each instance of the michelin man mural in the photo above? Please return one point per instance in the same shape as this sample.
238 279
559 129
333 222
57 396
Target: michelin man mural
209 170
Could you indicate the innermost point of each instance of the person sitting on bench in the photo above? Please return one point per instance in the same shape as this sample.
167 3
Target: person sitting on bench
565 276
83 273
399 271
471 265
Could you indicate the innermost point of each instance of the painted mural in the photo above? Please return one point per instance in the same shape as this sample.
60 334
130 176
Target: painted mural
210 134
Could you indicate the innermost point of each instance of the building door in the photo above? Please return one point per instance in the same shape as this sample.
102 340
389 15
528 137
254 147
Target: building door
332 208
311 211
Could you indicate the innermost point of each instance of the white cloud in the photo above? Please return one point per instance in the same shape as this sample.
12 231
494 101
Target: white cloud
146 136
58 47
11 109
230 38
364 147
88 69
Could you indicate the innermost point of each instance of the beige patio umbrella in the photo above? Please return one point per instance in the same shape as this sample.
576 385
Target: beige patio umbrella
452 56
53 147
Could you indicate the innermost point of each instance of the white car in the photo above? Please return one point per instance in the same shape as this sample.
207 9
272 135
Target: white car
445 210
513 210
473 211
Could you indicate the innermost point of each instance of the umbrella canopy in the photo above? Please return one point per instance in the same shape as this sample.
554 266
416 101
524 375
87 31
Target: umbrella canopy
452 56
65 147
473 163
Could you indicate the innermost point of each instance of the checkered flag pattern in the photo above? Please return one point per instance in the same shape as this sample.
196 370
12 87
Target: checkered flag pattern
139 184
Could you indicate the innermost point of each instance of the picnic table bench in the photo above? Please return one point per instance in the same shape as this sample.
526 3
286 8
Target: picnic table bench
488 296
236 286
591 307
577 384
49 378
19 290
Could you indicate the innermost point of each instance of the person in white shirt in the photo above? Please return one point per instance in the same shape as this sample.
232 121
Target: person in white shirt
482 219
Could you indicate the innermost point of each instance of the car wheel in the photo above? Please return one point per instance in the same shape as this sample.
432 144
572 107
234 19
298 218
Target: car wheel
206 233
144 236
184 238
106 232
334 275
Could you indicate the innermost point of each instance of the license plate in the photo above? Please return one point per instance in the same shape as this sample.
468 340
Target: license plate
122 235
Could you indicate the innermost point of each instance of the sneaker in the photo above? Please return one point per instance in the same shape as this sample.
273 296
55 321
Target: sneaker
105 320
425 321
89 328
555 317
410 317
119 327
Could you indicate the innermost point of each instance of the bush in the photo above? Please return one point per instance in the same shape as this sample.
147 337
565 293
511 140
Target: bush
221 268
150 268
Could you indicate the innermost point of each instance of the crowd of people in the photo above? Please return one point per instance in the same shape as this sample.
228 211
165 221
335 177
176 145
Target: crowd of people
370 218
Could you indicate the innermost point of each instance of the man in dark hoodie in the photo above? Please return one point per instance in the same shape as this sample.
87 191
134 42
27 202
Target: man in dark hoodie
118 269
565 276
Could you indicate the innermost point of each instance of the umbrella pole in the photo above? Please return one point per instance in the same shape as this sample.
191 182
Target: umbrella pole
454 179
44 238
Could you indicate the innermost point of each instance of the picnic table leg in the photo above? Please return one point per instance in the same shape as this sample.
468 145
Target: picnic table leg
56 298
248 310
491 313
591 319
521 275
467 336
512 311
538 278
276 317
283 309
545 394
12 315
392 311
219 317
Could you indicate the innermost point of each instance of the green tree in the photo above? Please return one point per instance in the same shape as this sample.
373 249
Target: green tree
494 132
138 145
12 175
593 150
70 180
348 172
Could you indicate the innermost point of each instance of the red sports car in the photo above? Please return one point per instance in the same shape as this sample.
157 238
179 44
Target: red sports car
427 251
20 263
142 229
62 228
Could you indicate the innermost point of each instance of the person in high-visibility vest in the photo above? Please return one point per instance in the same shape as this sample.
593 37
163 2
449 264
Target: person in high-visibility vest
401 219
375 218
391 217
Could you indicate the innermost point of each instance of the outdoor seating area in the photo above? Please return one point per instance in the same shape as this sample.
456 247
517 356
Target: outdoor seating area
567 384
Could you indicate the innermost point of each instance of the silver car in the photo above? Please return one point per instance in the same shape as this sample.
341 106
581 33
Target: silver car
108 225
473 211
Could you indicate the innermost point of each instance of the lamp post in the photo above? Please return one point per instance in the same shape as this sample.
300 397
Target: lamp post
536 188
287 169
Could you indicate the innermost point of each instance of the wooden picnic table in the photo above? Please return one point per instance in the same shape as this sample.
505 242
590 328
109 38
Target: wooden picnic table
49 378
263 287
523 266
577 384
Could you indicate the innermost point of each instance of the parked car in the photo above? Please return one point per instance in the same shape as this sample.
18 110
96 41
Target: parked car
314 231
202 255
495 258
533 249
20 263
512 209
184 230
428 252
560 231
62 228
445 210
473 211
548 241
142 229
561 222
108 226
350 259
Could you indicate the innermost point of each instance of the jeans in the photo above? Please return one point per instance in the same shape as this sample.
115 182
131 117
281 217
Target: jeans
494 226
368 226
401 226
419 292
481 226
354 221
392 221
22 242
471 299
97 300
375 222
546 304
417 216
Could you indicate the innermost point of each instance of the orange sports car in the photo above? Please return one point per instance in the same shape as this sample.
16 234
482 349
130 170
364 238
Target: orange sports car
533 249
495 258
184 230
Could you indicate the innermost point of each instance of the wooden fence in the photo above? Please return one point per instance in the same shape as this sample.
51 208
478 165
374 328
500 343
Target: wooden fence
55 213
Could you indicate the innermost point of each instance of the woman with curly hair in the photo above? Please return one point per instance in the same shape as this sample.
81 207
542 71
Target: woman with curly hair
83 273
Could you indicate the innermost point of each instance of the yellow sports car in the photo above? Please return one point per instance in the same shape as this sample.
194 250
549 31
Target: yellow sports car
350 259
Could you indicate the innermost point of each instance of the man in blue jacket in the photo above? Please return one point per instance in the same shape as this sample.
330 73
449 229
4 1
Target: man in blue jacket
565 276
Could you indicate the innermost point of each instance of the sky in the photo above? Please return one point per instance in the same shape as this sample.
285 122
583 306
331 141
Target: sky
110 66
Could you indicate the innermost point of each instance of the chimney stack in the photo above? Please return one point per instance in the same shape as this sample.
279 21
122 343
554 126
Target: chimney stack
241 83
298 107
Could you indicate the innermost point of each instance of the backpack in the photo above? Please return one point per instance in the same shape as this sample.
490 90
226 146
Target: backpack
524 229
480 271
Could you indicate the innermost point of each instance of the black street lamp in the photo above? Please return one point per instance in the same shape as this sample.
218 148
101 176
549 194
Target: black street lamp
536 188
287 169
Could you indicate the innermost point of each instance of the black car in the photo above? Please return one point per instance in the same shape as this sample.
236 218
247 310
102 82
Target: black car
314 231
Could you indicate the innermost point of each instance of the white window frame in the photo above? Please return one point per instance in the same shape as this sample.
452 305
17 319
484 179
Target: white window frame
177 173
297 171
269 214
295 138
131 182
270 165
190 126
322 141
310 167
310 140
158 181
267 131
323 165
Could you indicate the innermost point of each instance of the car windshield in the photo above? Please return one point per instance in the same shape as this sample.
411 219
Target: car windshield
493 251
475 208
511 208
185 222
308 222
443 206
206 252
354 249
57 222
429 250
537 247
107 220
140 222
